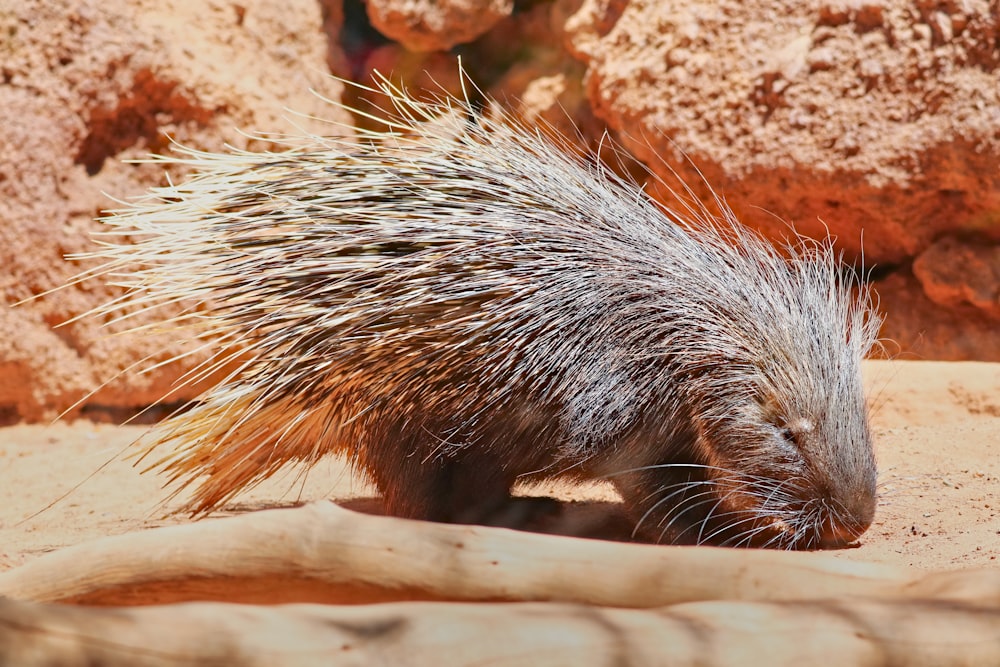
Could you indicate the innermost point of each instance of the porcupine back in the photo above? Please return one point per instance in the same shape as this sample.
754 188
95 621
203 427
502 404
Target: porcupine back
471 292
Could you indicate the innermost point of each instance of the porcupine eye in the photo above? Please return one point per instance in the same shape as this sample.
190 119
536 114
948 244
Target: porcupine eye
774 416
794 432
790 436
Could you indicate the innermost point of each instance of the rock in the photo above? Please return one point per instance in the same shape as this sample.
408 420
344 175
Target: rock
436 25
835 116
85 85
918 328
954 273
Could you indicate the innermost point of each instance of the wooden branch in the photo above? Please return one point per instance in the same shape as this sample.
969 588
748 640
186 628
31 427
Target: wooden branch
324 553
759 607
712 634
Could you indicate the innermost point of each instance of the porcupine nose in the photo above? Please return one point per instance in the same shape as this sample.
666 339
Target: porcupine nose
836 535
842 529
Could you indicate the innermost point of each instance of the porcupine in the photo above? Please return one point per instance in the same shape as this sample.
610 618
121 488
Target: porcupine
462 305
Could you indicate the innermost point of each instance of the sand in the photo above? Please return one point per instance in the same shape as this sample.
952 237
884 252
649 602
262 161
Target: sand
936 428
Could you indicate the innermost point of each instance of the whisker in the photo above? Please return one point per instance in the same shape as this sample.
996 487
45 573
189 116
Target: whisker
684 487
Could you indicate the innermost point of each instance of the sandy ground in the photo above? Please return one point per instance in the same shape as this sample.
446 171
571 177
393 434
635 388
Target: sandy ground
936 426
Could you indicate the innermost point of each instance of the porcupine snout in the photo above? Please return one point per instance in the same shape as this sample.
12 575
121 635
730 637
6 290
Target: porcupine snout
845 460
860 513
851 498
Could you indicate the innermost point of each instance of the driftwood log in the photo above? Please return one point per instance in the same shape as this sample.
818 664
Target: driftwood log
861 633
524 599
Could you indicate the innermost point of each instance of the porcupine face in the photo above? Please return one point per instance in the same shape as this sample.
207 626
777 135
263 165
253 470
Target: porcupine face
790 472
775 448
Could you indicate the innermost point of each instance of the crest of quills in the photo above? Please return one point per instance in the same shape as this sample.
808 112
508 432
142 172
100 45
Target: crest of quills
461 304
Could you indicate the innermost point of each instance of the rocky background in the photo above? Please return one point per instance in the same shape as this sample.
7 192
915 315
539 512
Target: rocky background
876 122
